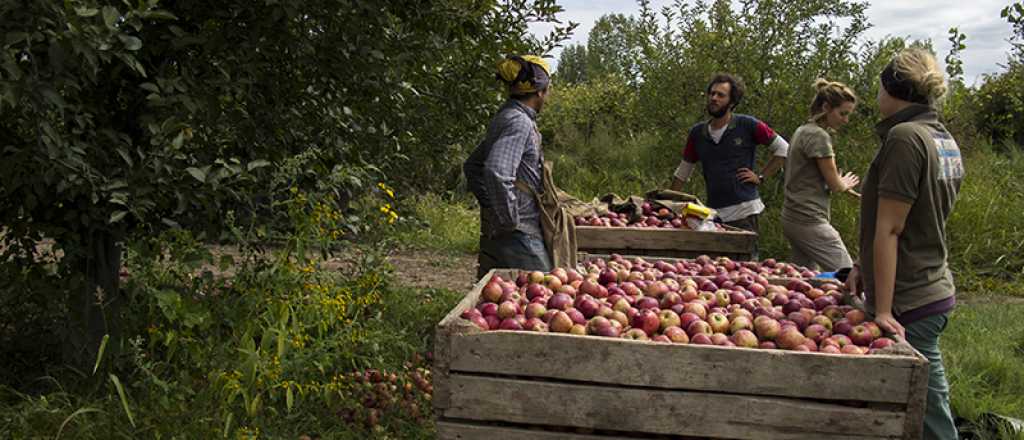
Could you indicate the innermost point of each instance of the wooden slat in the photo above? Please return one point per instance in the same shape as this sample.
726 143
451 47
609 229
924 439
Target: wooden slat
461 430
716 415
645 239
685 367
453 324
918 395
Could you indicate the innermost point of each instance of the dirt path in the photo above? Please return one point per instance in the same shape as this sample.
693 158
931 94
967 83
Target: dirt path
425 269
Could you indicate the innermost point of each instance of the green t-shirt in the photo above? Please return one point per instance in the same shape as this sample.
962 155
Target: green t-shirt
919 163
807 193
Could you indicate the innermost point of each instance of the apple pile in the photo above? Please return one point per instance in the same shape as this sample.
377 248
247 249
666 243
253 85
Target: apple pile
652 301
651 218
721 268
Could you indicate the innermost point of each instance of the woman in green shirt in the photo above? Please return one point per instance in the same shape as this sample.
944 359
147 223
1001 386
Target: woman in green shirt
812 176
909 193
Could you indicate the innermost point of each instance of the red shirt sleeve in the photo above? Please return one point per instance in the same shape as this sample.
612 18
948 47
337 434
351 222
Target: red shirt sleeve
690 152
763 134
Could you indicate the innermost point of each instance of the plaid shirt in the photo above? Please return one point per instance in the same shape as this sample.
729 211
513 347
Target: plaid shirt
510 151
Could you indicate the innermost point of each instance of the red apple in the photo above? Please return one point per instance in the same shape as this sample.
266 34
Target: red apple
492 291
719 339
507 309
740 323
677 335
698 327
696 308
790 338
560 322
510 324
668 319
767 345
719 323
860 335
744 338
648 321
855 316
881 343
635 334
766 328
560 301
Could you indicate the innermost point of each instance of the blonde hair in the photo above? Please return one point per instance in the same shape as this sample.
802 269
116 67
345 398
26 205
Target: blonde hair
833 93
919 68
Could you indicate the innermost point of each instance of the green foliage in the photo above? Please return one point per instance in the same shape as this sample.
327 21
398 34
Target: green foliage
1014 14
606 101
440 224
983 347
1000 102
572 65
613 48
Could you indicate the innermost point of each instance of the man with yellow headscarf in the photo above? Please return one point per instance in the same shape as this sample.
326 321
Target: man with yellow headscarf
506 165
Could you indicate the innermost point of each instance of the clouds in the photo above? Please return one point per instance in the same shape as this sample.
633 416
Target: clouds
986 32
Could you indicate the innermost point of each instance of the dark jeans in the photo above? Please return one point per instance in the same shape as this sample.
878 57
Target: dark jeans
516 250
748 223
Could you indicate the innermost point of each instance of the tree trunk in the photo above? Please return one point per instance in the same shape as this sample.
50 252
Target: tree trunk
95 307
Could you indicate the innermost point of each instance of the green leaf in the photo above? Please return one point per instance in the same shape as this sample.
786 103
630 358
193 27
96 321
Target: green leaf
124 398
117 216
258 163
87 12
99 355
110 16
130 42
227 423
197 173
289 398
68 419
179 140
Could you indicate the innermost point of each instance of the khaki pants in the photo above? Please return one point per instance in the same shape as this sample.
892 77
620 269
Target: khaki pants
816 245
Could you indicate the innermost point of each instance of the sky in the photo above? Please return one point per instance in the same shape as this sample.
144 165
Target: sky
986 31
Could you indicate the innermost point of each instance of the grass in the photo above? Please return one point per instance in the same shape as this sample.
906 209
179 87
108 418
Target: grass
983 350
440 224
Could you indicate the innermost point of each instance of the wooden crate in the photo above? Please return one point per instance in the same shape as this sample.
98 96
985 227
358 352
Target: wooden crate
733 242
528 385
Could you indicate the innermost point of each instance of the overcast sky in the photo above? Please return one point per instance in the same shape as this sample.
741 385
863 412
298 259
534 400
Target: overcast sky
986 31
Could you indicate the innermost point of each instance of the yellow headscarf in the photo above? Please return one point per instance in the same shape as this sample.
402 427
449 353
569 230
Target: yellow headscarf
524 74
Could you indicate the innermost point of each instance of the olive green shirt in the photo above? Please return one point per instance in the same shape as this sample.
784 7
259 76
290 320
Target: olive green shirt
919 163
807 192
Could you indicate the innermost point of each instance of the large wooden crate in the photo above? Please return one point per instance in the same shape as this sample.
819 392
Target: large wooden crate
528 385
682 243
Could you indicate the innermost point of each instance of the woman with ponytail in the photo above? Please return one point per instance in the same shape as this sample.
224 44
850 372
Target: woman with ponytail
506 168
908 195
811 176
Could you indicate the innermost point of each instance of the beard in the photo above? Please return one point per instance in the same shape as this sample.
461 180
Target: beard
721 111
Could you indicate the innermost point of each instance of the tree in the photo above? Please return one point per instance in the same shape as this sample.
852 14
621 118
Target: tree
572 65
120 118
613 47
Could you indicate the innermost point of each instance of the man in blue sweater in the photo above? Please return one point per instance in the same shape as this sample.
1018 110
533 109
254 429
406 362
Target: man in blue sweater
725 145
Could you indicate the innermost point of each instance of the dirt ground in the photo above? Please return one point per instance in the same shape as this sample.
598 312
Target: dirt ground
424 269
